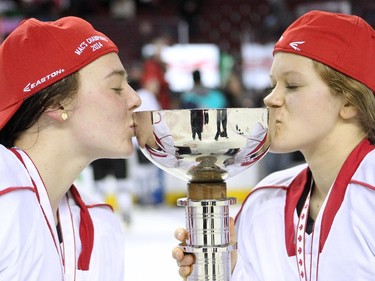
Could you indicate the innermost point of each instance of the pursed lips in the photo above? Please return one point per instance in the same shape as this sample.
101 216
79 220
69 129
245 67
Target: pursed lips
134 128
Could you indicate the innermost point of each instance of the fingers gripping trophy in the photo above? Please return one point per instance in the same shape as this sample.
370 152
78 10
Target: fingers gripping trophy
205 147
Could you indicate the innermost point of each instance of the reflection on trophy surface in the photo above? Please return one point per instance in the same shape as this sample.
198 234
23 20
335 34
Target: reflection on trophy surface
205 147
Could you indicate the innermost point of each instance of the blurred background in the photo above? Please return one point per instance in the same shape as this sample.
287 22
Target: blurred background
162 42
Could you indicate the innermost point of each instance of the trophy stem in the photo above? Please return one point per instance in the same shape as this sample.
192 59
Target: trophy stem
207 222
207 190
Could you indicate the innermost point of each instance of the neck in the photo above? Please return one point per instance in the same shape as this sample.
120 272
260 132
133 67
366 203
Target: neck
325 165
57 165
326 159
316 201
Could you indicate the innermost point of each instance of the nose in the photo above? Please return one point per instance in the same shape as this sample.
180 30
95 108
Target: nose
134 100
273 99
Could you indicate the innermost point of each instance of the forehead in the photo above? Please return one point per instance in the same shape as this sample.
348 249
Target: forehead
105 66
284 63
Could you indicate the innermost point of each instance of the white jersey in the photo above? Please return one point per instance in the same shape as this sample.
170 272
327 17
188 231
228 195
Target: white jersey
92 247
273 244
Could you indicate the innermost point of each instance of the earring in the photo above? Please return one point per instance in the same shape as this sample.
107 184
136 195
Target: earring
64 115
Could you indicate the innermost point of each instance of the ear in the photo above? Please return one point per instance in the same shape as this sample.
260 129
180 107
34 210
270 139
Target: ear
55 113
348 111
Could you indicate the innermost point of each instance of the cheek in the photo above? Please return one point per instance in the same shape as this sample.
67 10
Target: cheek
98 115
312 107
110 109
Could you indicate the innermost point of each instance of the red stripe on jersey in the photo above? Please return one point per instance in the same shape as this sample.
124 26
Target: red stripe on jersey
10 189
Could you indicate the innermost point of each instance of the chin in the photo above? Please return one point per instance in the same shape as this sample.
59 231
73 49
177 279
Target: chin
129 151
125 153
121 152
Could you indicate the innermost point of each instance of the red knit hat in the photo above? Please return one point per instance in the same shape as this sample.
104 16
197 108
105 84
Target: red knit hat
344 42
38 54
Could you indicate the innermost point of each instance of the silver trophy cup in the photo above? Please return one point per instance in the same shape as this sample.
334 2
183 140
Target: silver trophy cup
205 147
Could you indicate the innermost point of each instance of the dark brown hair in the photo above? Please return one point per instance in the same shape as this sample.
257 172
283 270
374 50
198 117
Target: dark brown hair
33 107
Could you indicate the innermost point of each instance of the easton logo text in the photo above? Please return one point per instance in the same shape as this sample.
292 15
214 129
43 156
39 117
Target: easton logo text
32 85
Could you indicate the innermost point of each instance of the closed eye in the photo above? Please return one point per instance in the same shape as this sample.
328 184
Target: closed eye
291 87
118 90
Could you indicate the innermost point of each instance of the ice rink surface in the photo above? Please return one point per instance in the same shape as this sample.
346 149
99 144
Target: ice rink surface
149 242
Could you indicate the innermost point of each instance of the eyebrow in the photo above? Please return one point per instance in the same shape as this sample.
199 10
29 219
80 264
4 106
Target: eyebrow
116 72
289 72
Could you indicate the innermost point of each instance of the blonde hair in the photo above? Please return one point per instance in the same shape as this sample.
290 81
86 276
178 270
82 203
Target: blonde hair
355 93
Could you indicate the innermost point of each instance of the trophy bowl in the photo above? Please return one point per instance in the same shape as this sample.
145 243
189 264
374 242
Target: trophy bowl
205 147
200 145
